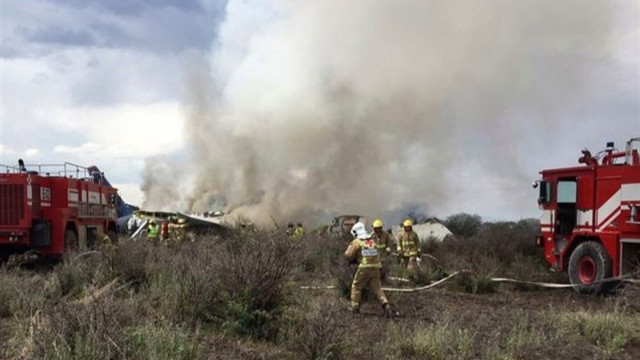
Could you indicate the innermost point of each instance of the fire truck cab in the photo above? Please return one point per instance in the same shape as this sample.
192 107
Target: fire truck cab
53 209
590 223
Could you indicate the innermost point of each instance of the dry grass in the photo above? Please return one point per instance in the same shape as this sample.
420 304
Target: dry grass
239 297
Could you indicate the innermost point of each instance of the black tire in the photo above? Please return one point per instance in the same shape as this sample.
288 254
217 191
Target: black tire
588 265
70 241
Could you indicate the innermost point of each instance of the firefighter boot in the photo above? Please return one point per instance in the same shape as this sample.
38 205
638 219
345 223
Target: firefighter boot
354 309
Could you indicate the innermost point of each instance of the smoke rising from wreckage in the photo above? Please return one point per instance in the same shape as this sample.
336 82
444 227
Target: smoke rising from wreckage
375 111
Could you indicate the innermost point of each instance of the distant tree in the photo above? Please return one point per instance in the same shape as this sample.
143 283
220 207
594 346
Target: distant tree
463 224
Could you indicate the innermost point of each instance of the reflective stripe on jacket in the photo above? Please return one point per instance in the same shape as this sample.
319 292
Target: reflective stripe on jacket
365 253
408 244
383 242
153 231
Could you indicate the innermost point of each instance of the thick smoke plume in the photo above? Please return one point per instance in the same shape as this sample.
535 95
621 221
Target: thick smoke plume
369 106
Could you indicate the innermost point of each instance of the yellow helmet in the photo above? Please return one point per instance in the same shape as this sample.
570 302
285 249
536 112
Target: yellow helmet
377 223
181 221
407 223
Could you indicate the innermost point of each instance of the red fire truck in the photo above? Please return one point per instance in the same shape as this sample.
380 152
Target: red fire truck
591 222
52 209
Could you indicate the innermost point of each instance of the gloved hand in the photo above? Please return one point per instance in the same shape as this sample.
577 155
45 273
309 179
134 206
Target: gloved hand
418 259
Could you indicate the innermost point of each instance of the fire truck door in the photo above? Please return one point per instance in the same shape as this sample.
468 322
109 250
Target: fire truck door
566 214
584 202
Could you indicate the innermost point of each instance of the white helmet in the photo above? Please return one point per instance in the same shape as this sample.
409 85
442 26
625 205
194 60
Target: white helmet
358 231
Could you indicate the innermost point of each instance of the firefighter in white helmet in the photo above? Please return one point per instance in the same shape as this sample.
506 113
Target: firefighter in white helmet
408 246
363 251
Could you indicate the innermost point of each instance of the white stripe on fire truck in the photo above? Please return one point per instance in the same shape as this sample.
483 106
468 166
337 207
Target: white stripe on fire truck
630 192
605 213
609 219
73 195
94 197
45 204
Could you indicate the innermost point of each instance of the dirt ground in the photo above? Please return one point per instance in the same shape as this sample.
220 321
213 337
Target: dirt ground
485 314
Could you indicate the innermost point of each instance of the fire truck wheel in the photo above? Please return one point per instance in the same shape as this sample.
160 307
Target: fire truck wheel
590 263
70 241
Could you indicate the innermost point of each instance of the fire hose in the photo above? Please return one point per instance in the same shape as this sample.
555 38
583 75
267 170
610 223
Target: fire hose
625 279
628 278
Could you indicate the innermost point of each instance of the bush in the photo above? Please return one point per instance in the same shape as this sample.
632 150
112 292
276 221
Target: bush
158 342
130 261
73 331
256 265
463 225
182 284
608 331
80 270
314 329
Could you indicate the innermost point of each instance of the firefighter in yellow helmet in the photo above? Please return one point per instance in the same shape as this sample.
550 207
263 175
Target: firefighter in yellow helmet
363 251
180 232
408 246
383 244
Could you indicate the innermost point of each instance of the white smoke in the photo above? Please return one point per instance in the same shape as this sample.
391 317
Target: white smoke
368 106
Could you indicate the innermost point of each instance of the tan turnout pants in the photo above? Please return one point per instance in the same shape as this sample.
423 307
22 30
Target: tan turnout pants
409 262
364 277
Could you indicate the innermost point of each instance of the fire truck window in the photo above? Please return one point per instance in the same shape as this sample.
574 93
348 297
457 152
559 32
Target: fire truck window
545 192
567 192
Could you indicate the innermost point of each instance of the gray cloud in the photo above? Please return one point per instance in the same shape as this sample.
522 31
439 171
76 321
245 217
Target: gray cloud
133 8
156 26
57 35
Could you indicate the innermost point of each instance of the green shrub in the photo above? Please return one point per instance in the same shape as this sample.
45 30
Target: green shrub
475 284
256 265
608 331
158 342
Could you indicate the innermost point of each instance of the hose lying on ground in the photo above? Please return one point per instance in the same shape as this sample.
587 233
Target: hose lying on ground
625 278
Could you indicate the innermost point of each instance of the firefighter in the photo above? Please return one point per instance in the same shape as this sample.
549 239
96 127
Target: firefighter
381 237
164 231
363 251
408 246
180 232
383 244
298 232
105 243
153 231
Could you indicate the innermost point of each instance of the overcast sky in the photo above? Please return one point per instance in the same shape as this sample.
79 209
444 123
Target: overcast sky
99 81
104 82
